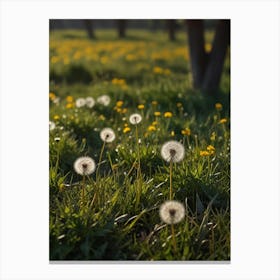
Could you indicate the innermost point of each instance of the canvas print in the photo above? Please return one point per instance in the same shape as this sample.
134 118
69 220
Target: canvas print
139 140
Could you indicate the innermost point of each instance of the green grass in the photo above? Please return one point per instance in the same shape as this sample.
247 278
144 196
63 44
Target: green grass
119 217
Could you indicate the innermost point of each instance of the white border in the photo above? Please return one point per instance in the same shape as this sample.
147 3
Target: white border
255 138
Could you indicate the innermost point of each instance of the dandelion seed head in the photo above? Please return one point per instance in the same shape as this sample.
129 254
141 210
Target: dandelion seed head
84 165
90 102
172 212
104 100
51 125
172 151
80 102
135 118
107 135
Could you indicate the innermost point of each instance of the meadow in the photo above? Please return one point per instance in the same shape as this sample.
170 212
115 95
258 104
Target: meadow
111 205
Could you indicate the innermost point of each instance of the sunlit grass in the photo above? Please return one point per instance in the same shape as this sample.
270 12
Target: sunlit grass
119 217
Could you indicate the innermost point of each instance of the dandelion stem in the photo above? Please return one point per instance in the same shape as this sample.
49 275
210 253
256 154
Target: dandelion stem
138 153
139 190
99 161
170 176
83 188
173 239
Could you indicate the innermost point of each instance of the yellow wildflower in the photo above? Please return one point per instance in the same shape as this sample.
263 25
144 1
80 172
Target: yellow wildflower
172 133
119 110
179 105
152 128
69 99
119 103
168 114
102 117
157 70
186 131
126 129
154 123
210 148
52 96
124 110
56 117
204 153
154 103
157 114
218 106
223 121
69 105
141 107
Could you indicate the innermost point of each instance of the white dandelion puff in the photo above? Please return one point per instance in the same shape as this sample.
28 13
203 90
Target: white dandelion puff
172 212
80 102
51 125
104 100
84 165
172 151
107 135
135 118
90 102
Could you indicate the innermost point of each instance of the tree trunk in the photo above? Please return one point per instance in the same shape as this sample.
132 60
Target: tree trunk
89 28
197 51
207 68
121 27
171 27
217 57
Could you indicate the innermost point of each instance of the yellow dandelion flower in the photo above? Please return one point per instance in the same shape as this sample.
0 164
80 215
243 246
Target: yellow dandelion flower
52 96
204 153
223 120
172 133
56 117
141 106
69 99
121 82
152 128
179 105
126 124
157 70
154 123
101 117
119 103
218 106
69 105
126 129
186 131
124 110
210 148
119 110
168 114
115 81
213 136
157 114
154 103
